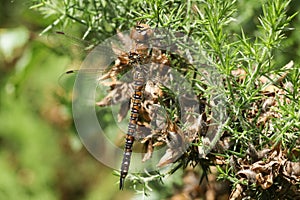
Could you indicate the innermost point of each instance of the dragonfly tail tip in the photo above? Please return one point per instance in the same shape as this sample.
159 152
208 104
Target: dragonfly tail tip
121 183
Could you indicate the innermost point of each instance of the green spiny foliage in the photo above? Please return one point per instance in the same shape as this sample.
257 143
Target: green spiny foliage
217 27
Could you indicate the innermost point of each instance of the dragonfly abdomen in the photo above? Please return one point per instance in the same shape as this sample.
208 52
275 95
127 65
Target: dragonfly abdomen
132 126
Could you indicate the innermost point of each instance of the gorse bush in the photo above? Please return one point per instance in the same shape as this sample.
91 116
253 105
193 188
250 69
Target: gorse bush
253 47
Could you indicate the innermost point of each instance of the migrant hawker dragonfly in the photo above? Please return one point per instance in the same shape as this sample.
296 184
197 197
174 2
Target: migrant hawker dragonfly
145 54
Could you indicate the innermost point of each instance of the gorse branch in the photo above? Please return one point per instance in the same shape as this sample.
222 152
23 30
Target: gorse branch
261 95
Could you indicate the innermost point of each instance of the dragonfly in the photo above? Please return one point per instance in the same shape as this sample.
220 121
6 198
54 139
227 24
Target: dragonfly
139 55
146 49
145 54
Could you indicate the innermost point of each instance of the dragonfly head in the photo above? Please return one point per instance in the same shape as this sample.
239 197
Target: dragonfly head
141 33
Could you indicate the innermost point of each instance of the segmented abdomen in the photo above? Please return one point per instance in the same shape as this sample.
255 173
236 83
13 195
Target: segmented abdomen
138 84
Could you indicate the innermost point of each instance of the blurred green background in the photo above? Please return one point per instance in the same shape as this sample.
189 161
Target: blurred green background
41 156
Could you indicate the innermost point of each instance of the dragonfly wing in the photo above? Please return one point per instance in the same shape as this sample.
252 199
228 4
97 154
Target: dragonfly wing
119 94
